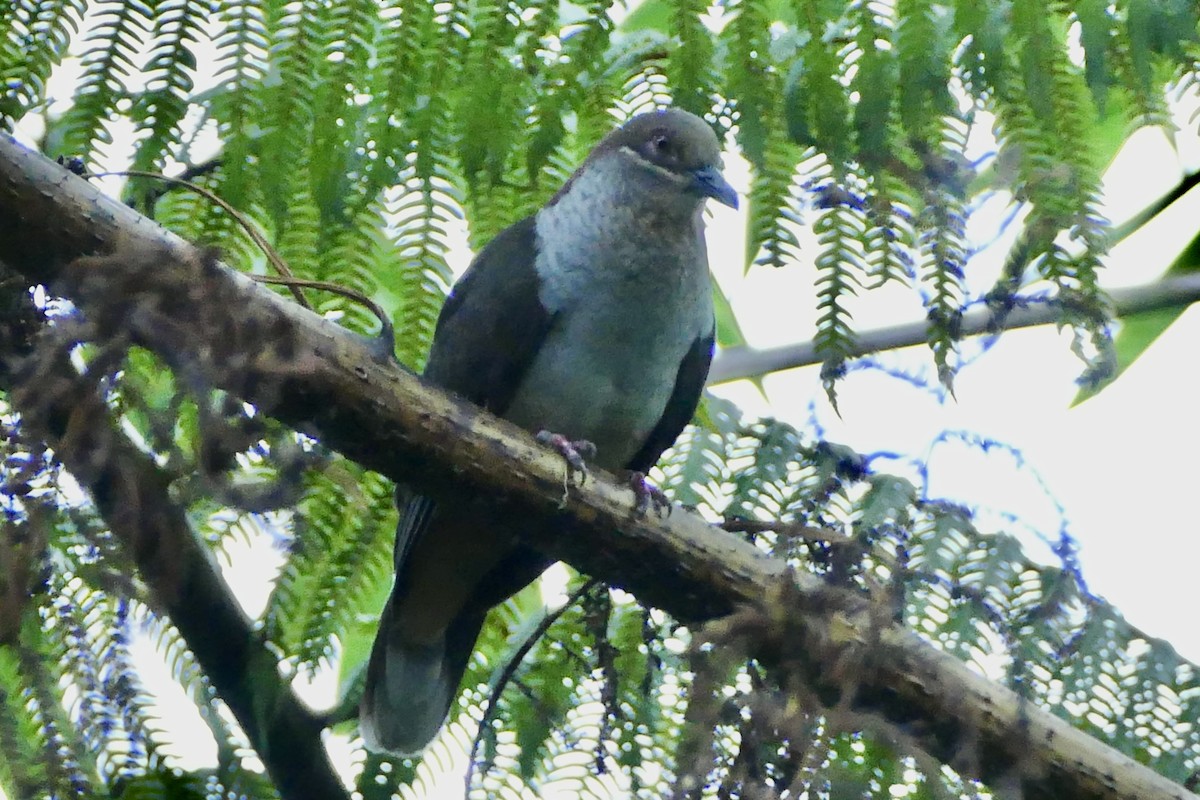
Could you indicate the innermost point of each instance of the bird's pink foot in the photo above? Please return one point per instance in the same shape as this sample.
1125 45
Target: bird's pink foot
648 495
575 453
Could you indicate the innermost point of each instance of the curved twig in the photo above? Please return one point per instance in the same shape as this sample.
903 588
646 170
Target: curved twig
387 333
510 670
255 235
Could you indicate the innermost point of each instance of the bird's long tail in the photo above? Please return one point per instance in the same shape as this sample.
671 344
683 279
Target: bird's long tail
410 686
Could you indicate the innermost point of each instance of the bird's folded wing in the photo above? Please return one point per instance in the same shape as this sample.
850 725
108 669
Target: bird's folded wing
493 322
689 384
489 332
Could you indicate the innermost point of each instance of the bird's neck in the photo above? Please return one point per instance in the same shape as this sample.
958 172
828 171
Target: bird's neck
611 228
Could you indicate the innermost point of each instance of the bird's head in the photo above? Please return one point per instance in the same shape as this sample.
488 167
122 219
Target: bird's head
671 152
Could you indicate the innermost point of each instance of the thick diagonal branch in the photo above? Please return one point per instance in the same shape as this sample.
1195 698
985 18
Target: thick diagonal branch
388 420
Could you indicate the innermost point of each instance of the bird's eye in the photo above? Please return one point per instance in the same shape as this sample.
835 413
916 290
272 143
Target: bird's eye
661 142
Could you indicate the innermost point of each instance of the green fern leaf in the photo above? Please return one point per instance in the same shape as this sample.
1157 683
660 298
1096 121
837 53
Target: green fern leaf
242 56
943 271
689 67
923 59
34 35
772 217
286 95
984 58
160 108
343 553
21 731
839 231
108 60
752 82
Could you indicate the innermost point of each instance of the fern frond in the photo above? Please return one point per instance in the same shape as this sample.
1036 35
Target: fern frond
287 96
407 49
336 167
488 112
112 710
751 80
593 92
923 59
539 28
1154 35
299 240
342 552
875 82
177 658
510 115
1098 38
241 62
1060 179
694 466
943 273
974 595
773 216
422 216
690 64
67 760
426 201
983 57
160 107
128 695
891 237
647 677
815 100
577 75
82 617
765 458
491 209
34 35
21 731
238 772
358 563
198 219
646 88
348 258
840 231
111 56
543 693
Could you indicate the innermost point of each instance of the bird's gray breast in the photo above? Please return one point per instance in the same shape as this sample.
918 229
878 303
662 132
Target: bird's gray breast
629 300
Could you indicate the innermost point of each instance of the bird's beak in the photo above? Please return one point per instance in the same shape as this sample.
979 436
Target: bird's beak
711 183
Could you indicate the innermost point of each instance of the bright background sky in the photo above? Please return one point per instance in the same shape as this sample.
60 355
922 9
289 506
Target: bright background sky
1118 469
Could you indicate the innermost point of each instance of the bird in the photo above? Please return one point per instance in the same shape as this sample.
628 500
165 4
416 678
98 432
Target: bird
591 319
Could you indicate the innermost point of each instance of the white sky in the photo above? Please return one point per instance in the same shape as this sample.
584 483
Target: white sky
1122 465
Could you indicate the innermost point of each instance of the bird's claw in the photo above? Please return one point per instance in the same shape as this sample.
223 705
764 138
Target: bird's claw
648 495
575 453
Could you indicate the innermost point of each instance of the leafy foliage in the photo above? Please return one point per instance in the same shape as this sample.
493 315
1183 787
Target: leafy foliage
34 37
342 551
358 136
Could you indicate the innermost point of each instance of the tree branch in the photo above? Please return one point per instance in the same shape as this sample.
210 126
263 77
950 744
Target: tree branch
741 362
132 494
736 363
324 380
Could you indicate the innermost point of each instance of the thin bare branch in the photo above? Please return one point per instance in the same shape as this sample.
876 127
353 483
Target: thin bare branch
747 362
